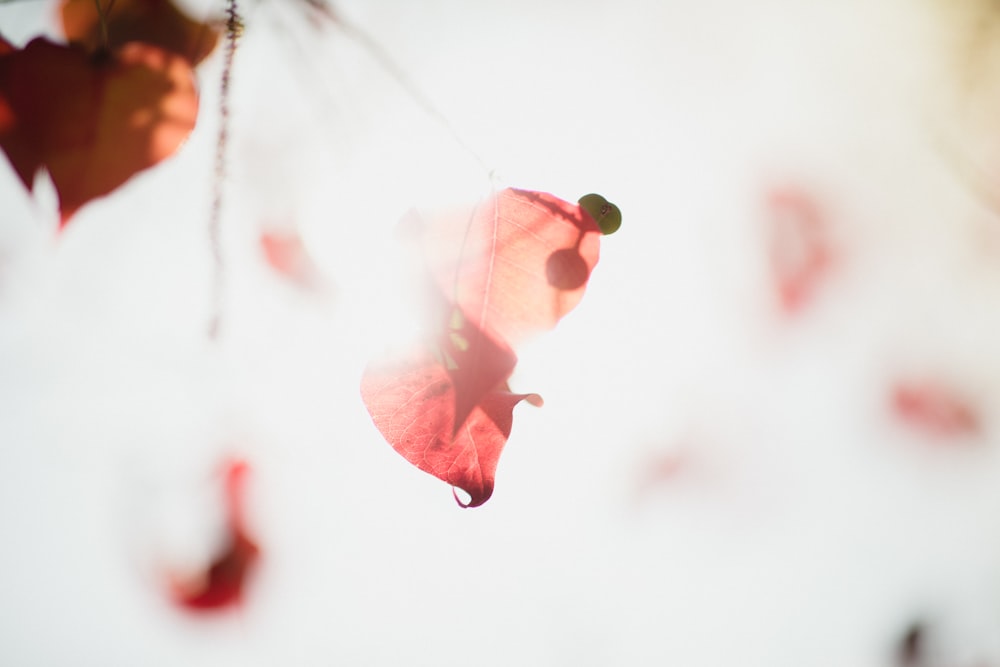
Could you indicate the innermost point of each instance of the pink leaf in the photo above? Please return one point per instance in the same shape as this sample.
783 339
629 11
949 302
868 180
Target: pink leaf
518 265
513 268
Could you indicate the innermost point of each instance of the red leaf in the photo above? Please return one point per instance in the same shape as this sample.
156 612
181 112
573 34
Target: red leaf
7 119
415 405
93 122
222 583
445 405
155 22
513 268
799 249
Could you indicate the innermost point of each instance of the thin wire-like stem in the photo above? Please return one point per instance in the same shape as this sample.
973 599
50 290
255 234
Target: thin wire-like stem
384 60
102 19
397 74
234 28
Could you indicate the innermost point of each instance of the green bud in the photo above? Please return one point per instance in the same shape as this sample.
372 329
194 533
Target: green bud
606 214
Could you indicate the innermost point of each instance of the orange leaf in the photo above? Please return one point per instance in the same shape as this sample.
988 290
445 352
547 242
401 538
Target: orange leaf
156 22
93 122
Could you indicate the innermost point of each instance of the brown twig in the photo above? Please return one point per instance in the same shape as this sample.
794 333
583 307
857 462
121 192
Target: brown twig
234 28
102 18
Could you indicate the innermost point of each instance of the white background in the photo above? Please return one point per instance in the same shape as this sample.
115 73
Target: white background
805 524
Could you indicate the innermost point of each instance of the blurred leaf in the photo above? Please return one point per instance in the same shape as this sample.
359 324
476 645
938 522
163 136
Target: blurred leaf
285 252
222 583
92 121
156 22
934 409
798 245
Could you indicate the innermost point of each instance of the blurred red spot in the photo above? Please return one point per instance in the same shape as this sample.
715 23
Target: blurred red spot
659 470
799 250
221 584
934 410
285 253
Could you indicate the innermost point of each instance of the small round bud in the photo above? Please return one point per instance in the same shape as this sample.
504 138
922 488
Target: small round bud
605 214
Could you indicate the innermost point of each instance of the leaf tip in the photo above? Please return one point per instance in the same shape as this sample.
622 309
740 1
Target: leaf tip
64 217
474 500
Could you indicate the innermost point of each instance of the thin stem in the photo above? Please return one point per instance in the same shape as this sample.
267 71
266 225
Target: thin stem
234 28
385 61
102 18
